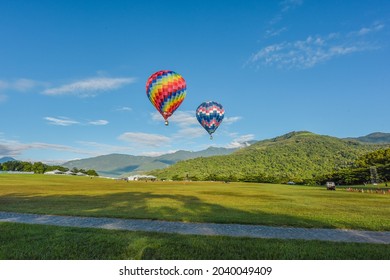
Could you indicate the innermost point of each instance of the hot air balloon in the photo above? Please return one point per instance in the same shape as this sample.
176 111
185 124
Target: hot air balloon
166 90
210 115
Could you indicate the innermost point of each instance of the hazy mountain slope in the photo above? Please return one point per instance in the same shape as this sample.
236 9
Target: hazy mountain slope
5 159
376 137
121 165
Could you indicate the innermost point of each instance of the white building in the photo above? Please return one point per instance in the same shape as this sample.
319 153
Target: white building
142 177
54 172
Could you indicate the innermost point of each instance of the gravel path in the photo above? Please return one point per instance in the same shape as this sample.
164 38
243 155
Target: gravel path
237 230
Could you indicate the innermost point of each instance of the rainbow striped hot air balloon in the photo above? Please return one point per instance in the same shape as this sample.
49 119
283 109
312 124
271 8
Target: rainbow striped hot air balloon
166 90
210 115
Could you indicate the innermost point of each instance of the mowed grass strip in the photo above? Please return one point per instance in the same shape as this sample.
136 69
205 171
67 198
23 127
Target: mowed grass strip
216 202
22 241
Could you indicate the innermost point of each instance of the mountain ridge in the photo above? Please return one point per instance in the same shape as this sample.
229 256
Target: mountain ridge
375 137
5 159
296 156
120 165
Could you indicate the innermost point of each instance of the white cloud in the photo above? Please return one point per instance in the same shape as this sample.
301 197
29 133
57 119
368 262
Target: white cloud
189 127
15 148
124 109
157 154
241 141
230 120
287 5
377 26
89 87
146 139
61 121
64 121
26 84
275 32
190 132
99 122
184 118
102 149
21 85
181 118
312 51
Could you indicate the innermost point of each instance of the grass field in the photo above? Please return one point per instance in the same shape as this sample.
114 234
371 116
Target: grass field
20 241
266 204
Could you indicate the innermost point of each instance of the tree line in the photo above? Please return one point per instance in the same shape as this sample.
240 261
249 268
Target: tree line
361 170
41 168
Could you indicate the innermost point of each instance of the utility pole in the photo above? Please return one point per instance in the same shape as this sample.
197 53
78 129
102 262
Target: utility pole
374 175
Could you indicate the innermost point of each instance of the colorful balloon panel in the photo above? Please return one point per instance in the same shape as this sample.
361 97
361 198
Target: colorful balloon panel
166 90
210 115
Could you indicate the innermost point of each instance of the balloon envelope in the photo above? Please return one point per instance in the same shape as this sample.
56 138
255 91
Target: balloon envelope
166 90
210 115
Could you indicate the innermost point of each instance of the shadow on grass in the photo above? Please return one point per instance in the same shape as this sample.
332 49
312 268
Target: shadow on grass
147 205
29 242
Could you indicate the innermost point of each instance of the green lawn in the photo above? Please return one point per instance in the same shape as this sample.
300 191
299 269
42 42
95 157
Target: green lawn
266 204
29 242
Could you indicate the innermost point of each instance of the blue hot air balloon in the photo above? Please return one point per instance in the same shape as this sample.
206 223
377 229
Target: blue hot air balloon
210 115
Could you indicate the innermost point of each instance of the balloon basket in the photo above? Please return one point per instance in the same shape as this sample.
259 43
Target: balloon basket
166 122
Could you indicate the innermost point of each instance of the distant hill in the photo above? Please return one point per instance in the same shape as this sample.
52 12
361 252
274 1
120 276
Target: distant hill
116 165
5 159
376 137
295 156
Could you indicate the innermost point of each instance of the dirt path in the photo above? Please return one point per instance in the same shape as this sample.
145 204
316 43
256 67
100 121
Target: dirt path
237 230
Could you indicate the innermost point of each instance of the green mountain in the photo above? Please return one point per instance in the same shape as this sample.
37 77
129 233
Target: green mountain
117 165
296 156
376 137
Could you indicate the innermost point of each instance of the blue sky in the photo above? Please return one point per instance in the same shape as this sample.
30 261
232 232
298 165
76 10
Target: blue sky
73 73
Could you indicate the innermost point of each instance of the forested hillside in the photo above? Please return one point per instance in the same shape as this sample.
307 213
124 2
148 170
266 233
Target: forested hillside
297 156
373 167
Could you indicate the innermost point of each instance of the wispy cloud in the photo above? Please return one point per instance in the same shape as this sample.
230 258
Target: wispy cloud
98 122
230 120
145 139
96 148
189 126
89 87
375 27
124 109
15 148
181 118
156 154
287 5
314 49
21 85
18 85
275 32
284 7
65 121
187 122
61 121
